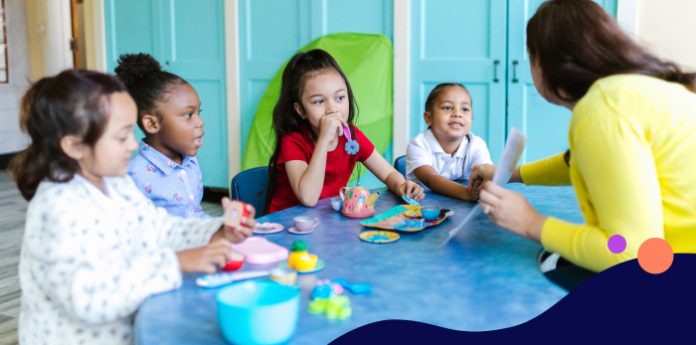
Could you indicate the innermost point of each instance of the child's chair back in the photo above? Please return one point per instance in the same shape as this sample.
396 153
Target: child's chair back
400 165
250 187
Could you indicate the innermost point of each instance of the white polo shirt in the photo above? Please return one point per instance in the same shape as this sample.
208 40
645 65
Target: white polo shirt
425 150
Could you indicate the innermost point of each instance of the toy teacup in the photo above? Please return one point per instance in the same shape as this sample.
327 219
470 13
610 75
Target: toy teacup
336 203
305 224
430 213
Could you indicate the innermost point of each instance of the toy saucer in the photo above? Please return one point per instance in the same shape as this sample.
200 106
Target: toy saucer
412 213
320 266
379 236
268 228
294 230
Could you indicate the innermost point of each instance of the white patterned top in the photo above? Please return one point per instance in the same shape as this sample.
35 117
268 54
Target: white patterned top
90 258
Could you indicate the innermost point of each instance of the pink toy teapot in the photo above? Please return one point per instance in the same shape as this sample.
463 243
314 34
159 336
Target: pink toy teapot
358 202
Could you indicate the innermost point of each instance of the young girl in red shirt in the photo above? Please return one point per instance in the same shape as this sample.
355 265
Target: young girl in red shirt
311 160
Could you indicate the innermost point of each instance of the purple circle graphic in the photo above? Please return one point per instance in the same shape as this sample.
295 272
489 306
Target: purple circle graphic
617 244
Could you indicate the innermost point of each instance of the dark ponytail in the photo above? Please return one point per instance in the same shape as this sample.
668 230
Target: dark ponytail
146 81
70 103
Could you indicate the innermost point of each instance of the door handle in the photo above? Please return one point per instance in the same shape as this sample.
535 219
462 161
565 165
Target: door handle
496 63
514 71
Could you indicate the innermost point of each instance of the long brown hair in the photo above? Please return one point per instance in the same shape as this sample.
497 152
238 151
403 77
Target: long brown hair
575 42
285 118
70 103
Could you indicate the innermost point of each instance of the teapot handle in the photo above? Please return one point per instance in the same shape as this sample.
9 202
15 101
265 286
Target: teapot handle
341 192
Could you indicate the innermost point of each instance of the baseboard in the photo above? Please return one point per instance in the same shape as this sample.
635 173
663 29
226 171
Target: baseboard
5 159
211 194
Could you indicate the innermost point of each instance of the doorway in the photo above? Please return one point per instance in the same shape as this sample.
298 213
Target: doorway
77 39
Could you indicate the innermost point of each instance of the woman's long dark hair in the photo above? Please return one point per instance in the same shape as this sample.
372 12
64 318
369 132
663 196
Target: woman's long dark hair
285 119
575 42
70 103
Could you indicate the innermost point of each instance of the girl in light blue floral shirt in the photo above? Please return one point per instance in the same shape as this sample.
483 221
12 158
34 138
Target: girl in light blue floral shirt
165 168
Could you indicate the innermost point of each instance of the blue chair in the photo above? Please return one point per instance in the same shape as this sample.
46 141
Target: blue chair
250 187
400 165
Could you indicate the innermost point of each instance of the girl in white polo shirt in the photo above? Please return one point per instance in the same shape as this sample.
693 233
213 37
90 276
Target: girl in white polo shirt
447 151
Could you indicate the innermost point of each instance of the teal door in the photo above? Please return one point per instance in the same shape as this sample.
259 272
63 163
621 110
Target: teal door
464 42
481 43
546 125
264 48
174 32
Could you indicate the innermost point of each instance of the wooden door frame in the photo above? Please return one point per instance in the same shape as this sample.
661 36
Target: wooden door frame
95 35
402 76
234 118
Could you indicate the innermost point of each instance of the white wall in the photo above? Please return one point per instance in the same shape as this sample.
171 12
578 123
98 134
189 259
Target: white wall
11 138
667 28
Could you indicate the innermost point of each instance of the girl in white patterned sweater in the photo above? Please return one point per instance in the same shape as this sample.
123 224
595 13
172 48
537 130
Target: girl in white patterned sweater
94 247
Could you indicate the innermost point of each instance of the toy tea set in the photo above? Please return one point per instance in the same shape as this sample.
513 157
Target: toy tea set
358 202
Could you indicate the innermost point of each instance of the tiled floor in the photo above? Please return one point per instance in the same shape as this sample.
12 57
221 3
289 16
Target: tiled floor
12 214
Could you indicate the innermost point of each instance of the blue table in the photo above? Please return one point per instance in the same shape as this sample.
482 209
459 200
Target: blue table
486 279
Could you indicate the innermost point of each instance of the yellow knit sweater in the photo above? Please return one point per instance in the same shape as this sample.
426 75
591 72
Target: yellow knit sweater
633 166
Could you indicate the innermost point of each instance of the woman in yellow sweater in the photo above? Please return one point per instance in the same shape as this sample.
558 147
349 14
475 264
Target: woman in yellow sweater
632 138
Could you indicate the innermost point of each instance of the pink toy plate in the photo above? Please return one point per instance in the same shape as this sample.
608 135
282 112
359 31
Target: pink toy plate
268 228
258 250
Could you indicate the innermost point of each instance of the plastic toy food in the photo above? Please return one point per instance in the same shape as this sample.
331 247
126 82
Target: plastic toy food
283 275
236 262
234 214
300 259
328 299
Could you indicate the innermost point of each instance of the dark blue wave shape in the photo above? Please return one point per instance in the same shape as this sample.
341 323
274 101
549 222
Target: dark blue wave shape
621 305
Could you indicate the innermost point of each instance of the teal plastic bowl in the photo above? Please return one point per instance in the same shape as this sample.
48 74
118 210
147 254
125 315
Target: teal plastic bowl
258 312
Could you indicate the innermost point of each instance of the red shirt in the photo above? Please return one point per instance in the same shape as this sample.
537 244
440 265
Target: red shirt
339 165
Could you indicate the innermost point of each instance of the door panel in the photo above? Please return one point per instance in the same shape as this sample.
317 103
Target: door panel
263 48
131 26
459 41
195 50
352 16
173 33
546 125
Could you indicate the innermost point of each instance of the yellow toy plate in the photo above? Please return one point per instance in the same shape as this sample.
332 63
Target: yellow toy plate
378 236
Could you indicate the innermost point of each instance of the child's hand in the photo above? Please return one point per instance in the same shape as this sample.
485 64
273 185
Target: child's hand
330 127
205 259
480 174
239 220
412 190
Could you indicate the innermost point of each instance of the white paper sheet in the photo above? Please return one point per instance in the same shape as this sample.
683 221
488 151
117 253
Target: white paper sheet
506 166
